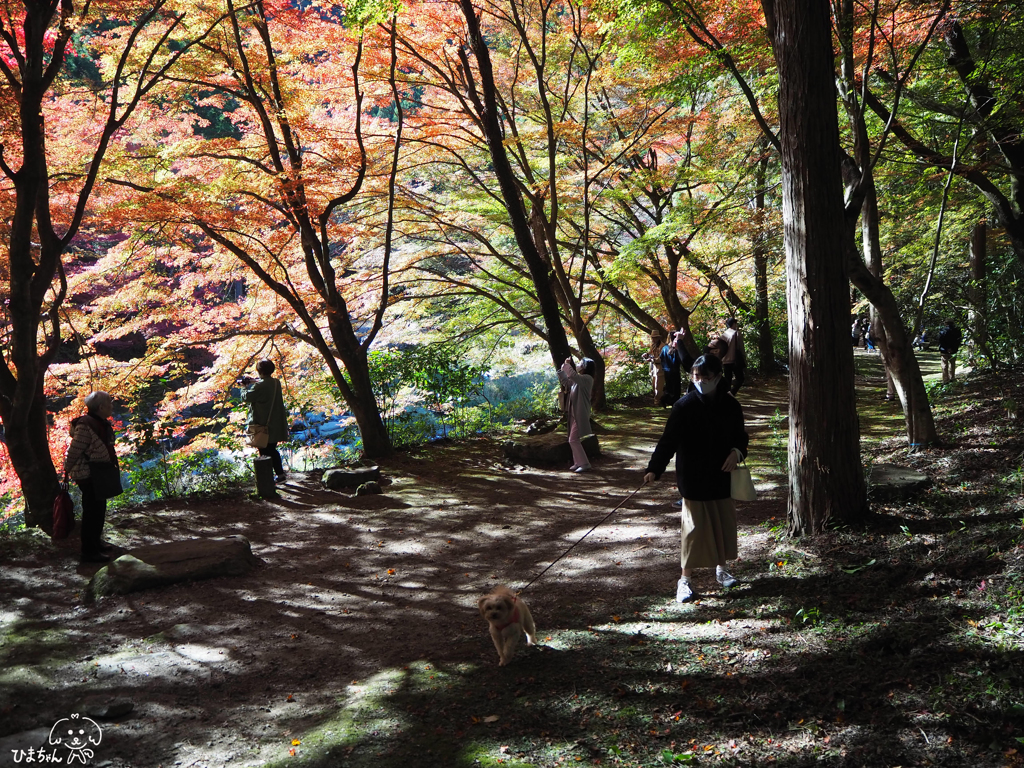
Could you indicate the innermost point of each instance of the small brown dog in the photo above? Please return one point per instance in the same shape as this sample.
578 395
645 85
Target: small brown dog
508 617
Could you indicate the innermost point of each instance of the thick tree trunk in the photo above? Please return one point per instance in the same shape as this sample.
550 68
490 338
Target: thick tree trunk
825 472
29 449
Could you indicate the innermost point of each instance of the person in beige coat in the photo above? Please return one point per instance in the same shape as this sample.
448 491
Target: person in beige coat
580 382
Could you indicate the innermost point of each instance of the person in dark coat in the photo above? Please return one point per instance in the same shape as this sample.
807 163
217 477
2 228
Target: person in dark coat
950 339
705 433
671 368
266 407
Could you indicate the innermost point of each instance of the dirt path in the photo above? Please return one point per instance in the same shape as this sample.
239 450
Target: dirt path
230 671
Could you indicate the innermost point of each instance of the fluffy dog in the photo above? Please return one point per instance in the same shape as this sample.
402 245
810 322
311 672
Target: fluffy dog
509 618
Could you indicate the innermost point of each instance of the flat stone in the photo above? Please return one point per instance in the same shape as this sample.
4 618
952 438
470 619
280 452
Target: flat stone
158 565
339 477
550 448
889 481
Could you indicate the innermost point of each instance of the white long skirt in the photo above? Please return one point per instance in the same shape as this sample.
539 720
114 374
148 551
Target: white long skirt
709 533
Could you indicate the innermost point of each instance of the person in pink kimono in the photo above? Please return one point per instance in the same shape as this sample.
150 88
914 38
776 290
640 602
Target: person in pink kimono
580 382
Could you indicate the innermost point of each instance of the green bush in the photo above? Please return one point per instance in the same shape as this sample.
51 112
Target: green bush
632 379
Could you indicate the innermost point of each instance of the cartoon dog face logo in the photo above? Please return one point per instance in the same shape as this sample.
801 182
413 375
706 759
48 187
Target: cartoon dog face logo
78 734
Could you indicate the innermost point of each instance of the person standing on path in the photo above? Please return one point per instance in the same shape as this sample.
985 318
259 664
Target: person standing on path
950 339
734 362
92 440
706 434
670 366
266 408
580 382
657 374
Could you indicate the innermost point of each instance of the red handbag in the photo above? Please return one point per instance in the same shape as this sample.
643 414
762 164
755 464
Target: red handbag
63 513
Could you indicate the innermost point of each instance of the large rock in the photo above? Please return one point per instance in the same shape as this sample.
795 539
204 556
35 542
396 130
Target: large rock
158 565
888 481
339 478
552 448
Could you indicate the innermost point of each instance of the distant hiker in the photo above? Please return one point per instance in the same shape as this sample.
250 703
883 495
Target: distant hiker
734 362
923 341
266 408
580 382
671 365
653 358
870 339
92 441
950 339
705 433
856 331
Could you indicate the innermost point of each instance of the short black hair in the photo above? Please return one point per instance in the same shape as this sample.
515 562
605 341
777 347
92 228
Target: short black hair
586 366
730 322
265 367
708 366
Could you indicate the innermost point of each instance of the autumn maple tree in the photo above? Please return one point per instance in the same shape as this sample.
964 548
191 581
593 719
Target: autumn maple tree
120 54
293 191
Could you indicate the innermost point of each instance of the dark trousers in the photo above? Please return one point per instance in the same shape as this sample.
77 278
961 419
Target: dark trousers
94 514
271 451
730 370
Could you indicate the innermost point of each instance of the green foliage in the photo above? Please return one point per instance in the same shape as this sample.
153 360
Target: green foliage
180 473
778 445
632 379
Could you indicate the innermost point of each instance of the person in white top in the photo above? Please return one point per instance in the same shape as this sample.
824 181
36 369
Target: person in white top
734 361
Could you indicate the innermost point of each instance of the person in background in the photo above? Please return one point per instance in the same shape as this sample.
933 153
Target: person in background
580 382
950 339
653 359
92 439
856 331
266 407
670 366
734 362
705 433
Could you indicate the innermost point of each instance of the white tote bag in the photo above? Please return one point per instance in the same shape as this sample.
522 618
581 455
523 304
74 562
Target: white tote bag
742 484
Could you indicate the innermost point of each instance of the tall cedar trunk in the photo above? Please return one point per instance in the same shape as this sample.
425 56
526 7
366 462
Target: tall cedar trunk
977 293
825 472
540 273
762 325
895 342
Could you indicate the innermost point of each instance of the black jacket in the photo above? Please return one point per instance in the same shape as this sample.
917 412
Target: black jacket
950 339
700 433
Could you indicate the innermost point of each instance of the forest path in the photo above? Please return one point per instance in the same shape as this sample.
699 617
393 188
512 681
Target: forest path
370 594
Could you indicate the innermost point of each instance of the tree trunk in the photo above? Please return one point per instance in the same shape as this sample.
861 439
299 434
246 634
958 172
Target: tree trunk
762 324
894 341
540 273
29 449
977 295
825 472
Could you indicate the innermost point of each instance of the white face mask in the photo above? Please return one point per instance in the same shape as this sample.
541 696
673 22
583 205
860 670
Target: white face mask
707 387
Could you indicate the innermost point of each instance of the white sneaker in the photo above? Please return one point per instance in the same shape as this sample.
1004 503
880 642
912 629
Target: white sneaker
580 470
574 467
684 592
725 578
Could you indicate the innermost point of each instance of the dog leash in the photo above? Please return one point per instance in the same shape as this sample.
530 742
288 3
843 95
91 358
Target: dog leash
570 549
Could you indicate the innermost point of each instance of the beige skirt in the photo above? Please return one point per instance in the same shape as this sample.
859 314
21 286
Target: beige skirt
709 533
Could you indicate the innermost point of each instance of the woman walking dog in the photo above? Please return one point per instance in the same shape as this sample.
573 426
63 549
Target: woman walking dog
705 432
